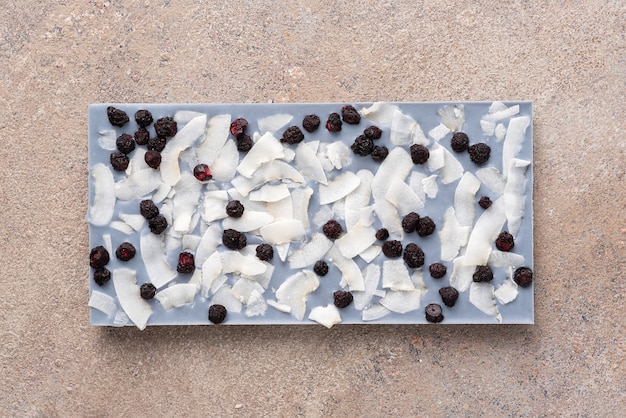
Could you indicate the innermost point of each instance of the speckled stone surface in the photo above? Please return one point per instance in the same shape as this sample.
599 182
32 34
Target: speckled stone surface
58 56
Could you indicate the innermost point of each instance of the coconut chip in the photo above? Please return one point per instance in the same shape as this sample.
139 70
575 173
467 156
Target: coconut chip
138 184
380 113
462 274
308 164
281 232
338 188
439 132
103 302
357 240
266 149
326 315
185 202
153 257
350 272
224 167
223 296
177 295
294 291
374 312
508 290
482 296
402 196
107 139
137 309
491 177
310 252
465 199
170 169
103 205
514 141
274 122
514 195
371 278
256 305
452 235
215 137
453 117
485 232
396 275
402 301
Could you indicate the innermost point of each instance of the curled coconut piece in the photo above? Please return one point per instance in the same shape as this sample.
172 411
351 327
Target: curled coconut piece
103 205
137 309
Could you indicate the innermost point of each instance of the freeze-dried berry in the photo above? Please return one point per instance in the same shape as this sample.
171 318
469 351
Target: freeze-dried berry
425 226
523 276
244 143
234 240
119 161
186 263
482 274
166 126
505 241
342 299
333 124
433 313
392 249
459 142
117 117
310 123
362 146
143 117
437 270
264 252
101 276
217 313
419 154
234 208
449 295
148 209
350 115
98 257
379 153
153 158
413 256
485 202
382 234
125 144
202 172
147 291
320 268
479 153
292 135
332 229
409 222
126 251
373 132
142 136
157 224
156 144
238 127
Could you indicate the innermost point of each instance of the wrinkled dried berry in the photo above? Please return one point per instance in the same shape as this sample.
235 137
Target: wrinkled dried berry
234 208
433 313
292 135
125 143
238 127
449 295
125 252
362 146
333 124
148 209
505 241
419 154
479 153
379 153
392 249
425 226
142 136
310 123
382 234
119 161
143 118
264 252
409 222
166 127
320 268
413 256
244 143
153 158
332 229
186 263
350 115
217 313
147 291
373 132
117 117
202 172
101 276
437 270
342 299
98 257
482 274
523 276
485 202
459 142
156 144
158 224
234 240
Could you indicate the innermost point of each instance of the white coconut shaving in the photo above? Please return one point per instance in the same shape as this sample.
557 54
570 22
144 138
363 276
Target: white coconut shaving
439 132
484 234
215 136
513 141
326 315
103 205
153 256
256 305
402 301
138 184
223 296
491 177
338 188
137 309
266 149
359 198
170 169
224 167
374 312
185 202
371 278
107 139
249 221
402 196
315 249
281 232
308 164
177 295
462 274
514 195
482 296
453 117
465 199
103 302
396 275
350 272
380 113
273 123
294 290
357 240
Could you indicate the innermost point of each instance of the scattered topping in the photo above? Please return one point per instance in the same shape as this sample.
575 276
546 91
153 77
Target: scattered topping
379 153
332 229
101 276
103 302
186 263
147 291
459 142
238 127
482 296
143 118
479 153
485 202
409 222
320 268
125 144
264 252
234 208
244 143
156 144
166 127
419 154
294 290
128 294
505 241
103 205
217 313
413 256
327 316
342 299
523 276
310 123
362 146
126 251
373 132
482 274
452 116
292 135
117 117
158 224
148 209
142 136
433 313
98 257
437 270
234 240
153 159
392 249
119 161
334 123
425 226
449 295
382 234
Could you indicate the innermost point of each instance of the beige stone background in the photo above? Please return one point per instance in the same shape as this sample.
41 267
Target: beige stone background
57 56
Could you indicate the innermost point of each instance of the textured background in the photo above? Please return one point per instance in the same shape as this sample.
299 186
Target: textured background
58 56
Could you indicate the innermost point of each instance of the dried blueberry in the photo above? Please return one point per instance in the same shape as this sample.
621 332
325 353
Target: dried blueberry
101 276
342 299
217 313
334 122
238 127
392 249
125 143
264 252
142 136
433 313
158 224
320 268
143 118
202 172
459 142
234 208
147 291
482 274
485 202
523 276
166 127
425 226
449 295
362 146
409 222
98 257
373 132
413 256
479 153
153 158
310 123
419 154
244 143
505 241
234 240
379 153
332 229
186 263
437 270
117 117
148 209
125 252
292 135
119 161
350 115
156 144
382 234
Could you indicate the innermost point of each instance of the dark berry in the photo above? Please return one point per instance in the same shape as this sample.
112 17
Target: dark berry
101 276
244 143
419 154
264 252
234 208
342 298
125 144
156 144
425 226
126 251
143 118
310 123
142 136
485 202
202 172
350 115
119 161
373 132
153 158
332 229
523 276
459 142
362 146
217 313
166 127
392 249
449 295
234 240
379 153
505 241
437 270
147 291
479 153
186 263
98 257
320 268
413 256
382 234
117 117
292 135
157 224
148 209
334 122
433 313
238 127
482 274
409 222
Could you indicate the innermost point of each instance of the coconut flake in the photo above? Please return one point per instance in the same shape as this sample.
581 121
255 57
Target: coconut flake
452 235
256 305
215 137
514 195
402 301
282 209
283 231
138 184
107 139
161 193
235 262
416 182
273 170
310 252
273 123
279 306
505 259
136 222
122 227
190 242
401 132
108 243
396 276
380 113
402 196
337 153
371 253
453 117
224 167
465 199
338 188
374 312
491 177
121 319
357 240
103 205
485 232
350 273
270 193
322 216
482 296
185 202
359 198
507 292
215 205
300 198
128 295
153 256
177 295
266 149
513 142
283 251
371 277
452 169
500 132
439 132
308 164
211 270
211 239
223 296
436 159
430 186
243 289
103 302
462 274
249 221
294 291
183 117
488 127
170 169
326 315
502 113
